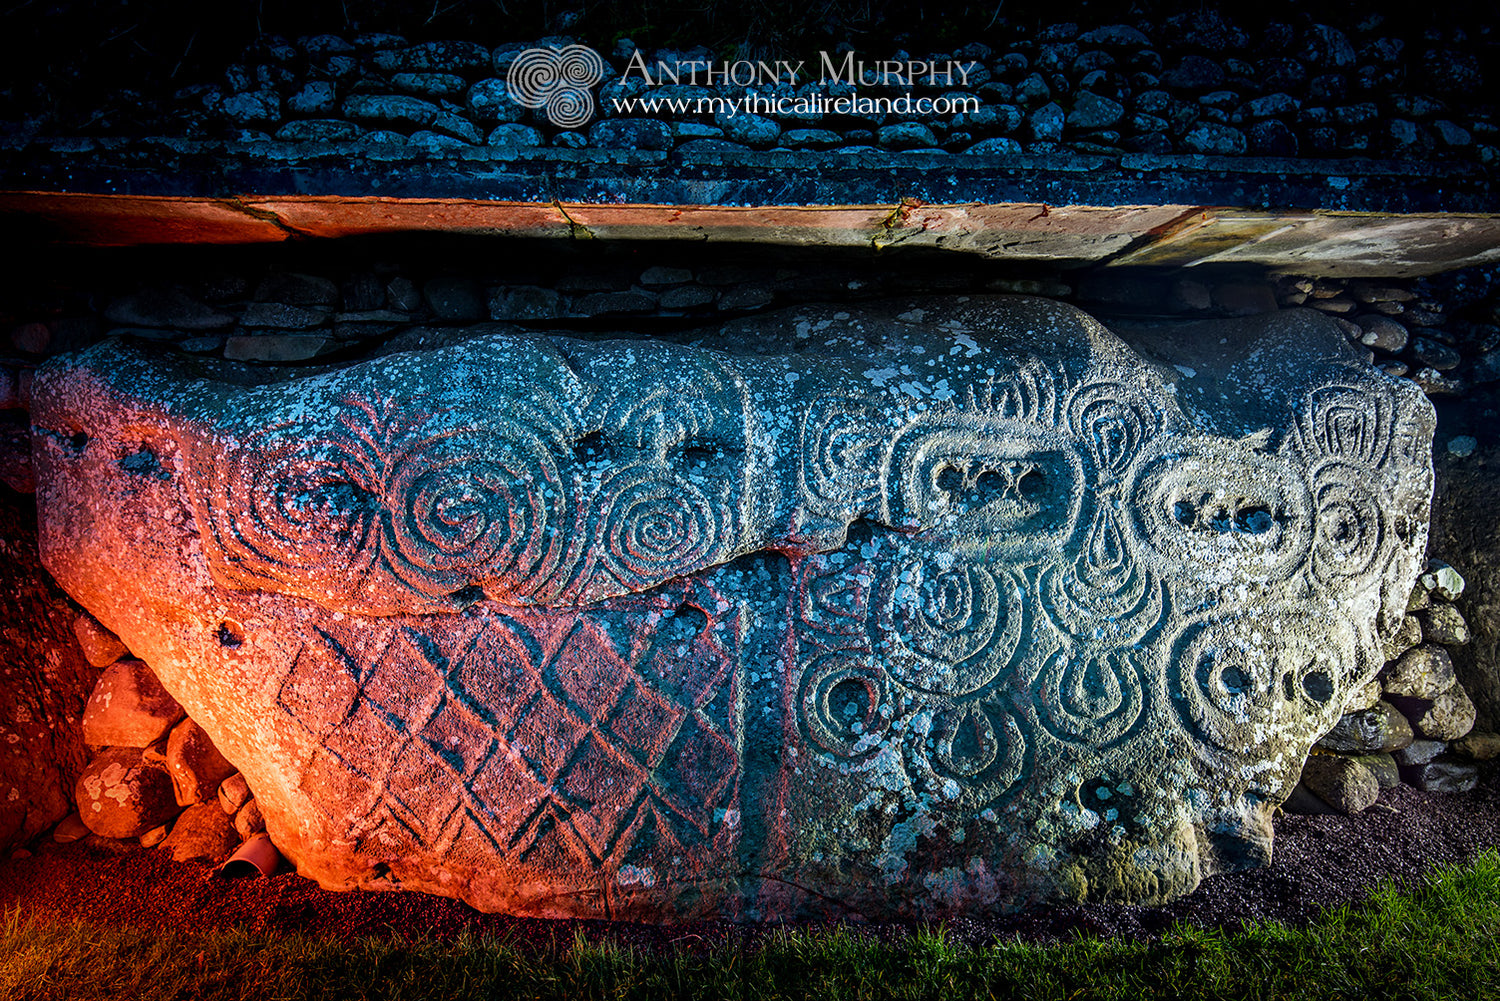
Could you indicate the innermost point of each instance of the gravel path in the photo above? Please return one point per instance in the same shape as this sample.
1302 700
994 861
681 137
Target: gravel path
1320 861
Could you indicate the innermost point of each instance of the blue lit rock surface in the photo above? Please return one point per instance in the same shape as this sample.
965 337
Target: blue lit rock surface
942 607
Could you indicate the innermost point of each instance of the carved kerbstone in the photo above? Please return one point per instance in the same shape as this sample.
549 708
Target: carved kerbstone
939 609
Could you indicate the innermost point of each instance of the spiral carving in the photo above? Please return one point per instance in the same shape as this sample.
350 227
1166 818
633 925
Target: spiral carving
656 526
844 705
378 514
283 501
475 504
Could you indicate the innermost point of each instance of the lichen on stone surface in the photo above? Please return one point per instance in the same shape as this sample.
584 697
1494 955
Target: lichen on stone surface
931 607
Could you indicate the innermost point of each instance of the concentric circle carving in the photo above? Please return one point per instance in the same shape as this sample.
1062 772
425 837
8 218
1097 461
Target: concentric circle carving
949 627
844 705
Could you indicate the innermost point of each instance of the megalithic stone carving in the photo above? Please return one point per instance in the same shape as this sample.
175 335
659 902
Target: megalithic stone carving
937 608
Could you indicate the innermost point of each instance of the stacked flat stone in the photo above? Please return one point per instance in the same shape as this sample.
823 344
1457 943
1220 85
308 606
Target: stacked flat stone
1409 331
1402 726
1195 83
289 317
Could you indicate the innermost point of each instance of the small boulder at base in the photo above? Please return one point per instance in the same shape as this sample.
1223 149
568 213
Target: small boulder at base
1341 782
196 765
1379 728
101 647
129 707
233 793
202 832
121 796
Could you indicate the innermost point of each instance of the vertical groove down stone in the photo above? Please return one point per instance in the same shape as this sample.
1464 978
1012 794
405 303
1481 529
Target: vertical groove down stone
936 607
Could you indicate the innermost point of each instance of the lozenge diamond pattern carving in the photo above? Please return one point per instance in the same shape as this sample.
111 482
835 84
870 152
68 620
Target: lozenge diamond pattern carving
929 608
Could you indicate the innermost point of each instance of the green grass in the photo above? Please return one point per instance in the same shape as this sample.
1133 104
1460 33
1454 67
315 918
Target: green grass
1440 939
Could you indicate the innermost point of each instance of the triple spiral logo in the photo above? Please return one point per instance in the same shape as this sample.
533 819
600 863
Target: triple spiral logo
557 80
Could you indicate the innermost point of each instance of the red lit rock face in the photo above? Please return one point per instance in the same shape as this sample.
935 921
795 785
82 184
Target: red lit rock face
916 612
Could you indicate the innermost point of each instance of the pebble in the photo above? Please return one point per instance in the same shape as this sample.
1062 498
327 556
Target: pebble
1407 635
1479 745
1381 333
1091 112
997 146
512 134
525 303
195 764
1442 776
458 127
317 97
1462 446
128 707
274 347
71 828
1435 383
1341 782
283 316
746 297
249 822
122 795
1364 697
234 792
319 130
455 298
490 101
631 133
166 308
658 276
1196 73
1443 624
1380 728
201 832
1432 353
1442 580
1215 140
615 303
1271 138
101 647
1449 716
1419 752
1422 672
801 138
436 57
397 108
297 289
751 130
254 107
687 297
1383 767
1046 123
429 84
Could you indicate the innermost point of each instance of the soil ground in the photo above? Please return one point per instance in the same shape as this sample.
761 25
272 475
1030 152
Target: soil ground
1320 861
